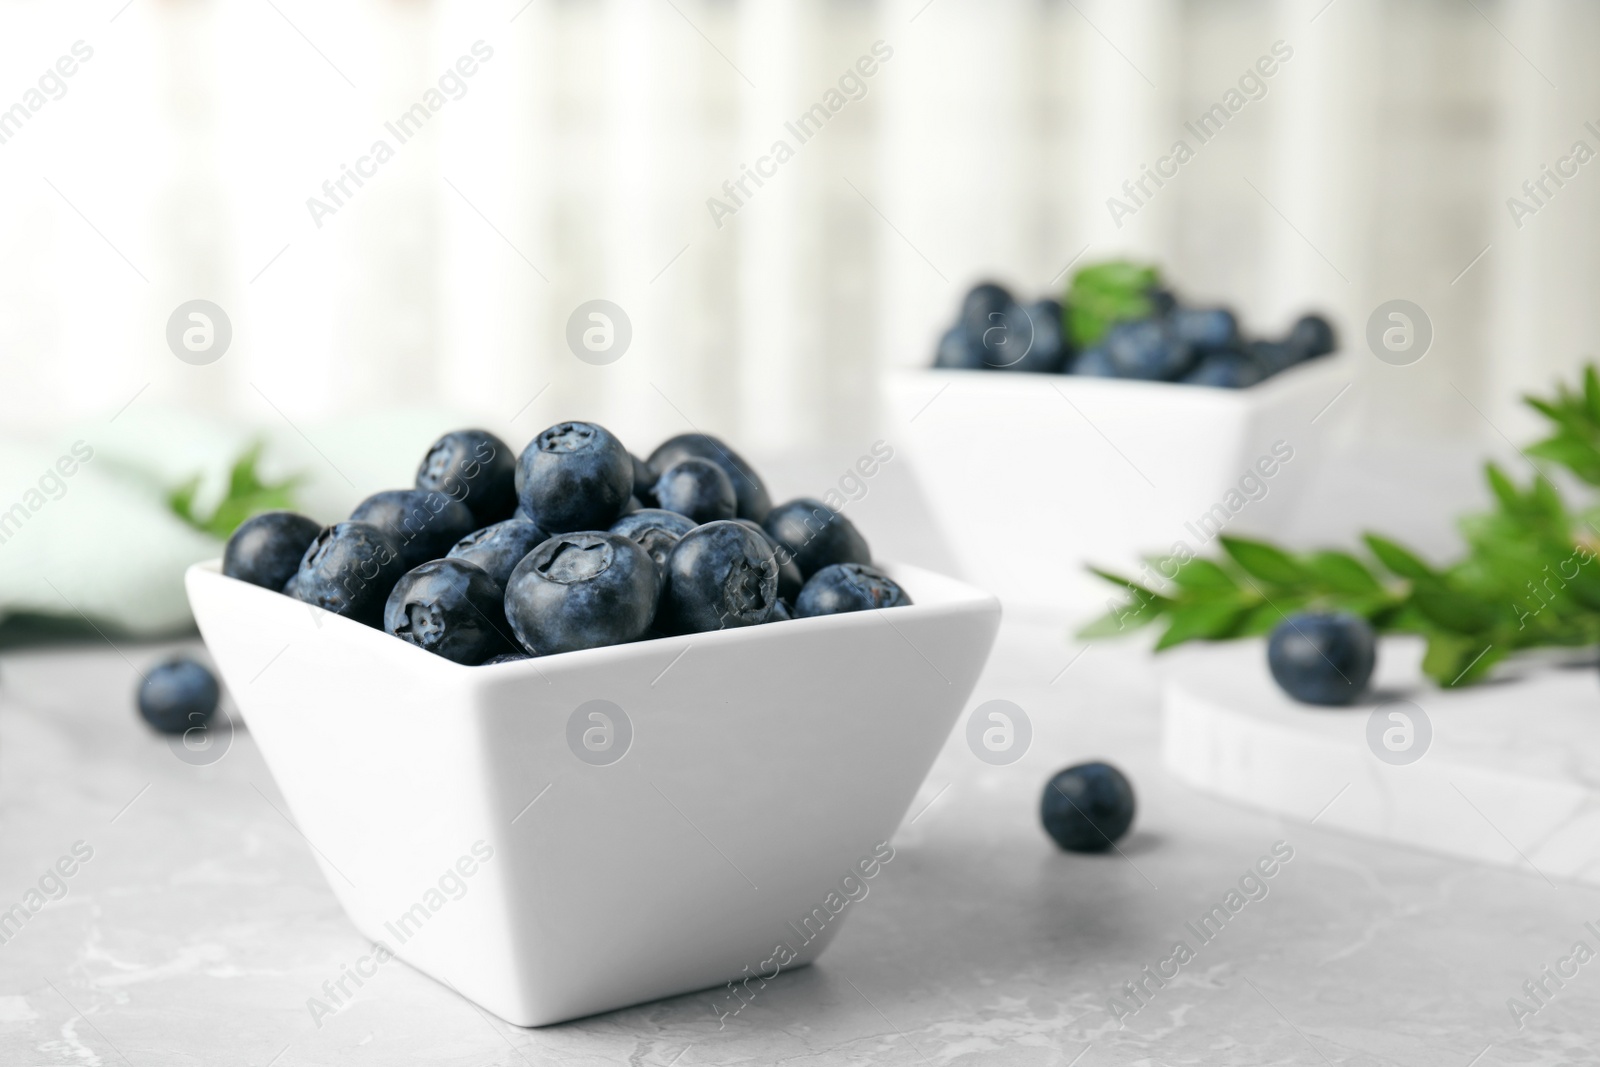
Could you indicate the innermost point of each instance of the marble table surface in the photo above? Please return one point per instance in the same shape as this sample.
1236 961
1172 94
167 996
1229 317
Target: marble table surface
200 926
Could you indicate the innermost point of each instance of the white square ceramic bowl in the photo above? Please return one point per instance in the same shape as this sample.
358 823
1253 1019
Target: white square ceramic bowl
764 764
1032 476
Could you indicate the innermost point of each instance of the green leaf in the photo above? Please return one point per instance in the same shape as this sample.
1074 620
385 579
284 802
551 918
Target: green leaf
1457 660
1342 573
247 494
1399 561
1206 621
1453 609
1200 573
1263 561
1591 393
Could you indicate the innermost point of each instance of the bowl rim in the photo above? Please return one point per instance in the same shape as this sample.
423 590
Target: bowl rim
934 596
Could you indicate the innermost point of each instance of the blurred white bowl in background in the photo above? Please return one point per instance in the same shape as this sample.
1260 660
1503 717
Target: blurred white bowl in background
1034 476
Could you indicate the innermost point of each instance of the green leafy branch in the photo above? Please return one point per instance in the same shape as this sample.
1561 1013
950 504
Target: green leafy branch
1529 578
1100 296
247 494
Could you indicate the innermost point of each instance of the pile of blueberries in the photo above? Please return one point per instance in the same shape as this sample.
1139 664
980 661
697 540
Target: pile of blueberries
1193 345
574 544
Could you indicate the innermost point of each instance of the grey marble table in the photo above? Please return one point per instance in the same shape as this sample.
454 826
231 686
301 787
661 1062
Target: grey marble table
200 925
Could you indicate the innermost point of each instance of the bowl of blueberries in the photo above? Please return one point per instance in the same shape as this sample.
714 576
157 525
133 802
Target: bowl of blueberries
1119 423
569 729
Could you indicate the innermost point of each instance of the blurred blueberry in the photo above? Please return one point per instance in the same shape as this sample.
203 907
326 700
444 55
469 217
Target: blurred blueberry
748 488
957 351
844 587
644 480
1087 807
451 608
582 590
1273 356
1093 362
1205 327
984 306
1225 368
178 694
1312 336
266 549
424 523
815 535
1034 338
350 569
497 549
781 611
476 468
1322 657
574 476
1148 349
1162 301
719 576
697 488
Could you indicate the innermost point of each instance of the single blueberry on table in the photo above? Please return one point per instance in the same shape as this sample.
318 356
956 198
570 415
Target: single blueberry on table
845 587
719 576
1035 338
178 694
1087 807
574 476
1312 336
1205 327
350 569
423 522
451 608
266 549
753 501
815 535
1323 657
697 488
1148 349
789 578
582 590
644 480
499 548
656 531
957 351
1093 362
1225 368
476 468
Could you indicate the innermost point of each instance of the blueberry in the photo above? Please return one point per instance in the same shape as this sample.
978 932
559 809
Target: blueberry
505 657
265 550
644 480
719 576
574 476
789 578
815 535
656 531
451 608
1087 807
1225 368
697 488
1205 327
497 549
1162 301
846 587
582 590
1312 336
476 468
781 611
350 570
178 694
424 523
957 351
1035 340
747 485
984 307
1273 356
1322 657
1148 349
1093 362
